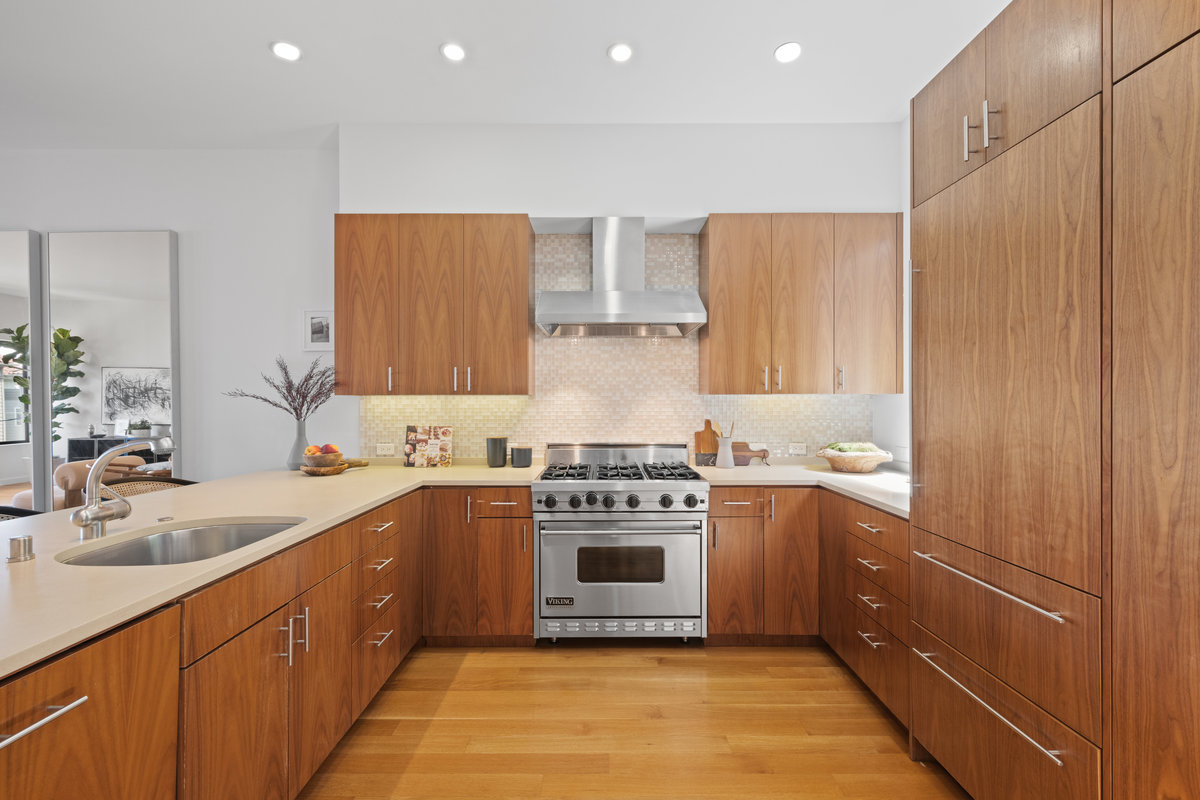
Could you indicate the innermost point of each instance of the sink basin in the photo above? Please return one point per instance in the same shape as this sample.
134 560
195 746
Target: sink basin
196 542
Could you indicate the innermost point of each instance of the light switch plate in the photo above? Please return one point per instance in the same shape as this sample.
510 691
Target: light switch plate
385 449
797 449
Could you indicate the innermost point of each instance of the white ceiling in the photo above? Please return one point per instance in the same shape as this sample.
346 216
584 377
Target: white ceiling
149 73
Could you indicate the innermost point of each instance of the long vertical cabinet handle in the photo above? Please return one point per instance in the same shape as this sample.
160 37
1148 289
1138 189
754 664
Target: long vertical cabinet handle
5 741
779 378
290 630
524 537
772 507
389 379
455 373
715 536
766 378
468 379
841 377
468 509
987 136
967 126
304 641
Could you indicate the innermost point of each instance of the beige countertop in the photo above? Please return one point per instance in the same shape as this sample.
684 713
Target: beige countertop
47 607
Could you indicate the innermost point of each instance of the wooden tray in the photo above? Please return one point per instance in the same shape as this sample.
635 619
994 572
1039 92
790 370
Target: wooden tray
337 470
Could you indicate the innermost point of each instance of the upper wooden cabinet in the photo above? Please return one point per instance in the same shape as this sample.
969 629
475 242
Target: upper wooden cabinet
1035 62
433 303
796 302
1142 29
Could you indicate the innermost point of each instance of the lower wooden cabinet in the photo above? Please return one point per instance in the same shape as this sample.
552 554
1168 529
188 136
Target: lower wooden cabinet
735 575
504 592
832 571
109 713
790 584
880 660
451 554
377 653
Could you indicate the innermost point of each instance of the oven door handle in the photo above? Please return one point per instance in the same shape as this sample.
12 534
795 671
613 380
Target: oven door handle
621 532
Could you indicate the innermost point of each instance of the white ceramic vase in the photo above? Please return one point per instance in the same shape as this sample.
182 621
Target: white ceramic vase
725 452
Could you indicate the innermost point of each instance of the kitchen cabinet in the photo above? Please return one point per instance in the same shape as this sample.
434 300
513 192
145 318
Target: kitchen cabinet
790 582
433 303
451 561
735 575
1156 421
880 660
831 584
1143 29
798 303
504 596
1036 61
120 741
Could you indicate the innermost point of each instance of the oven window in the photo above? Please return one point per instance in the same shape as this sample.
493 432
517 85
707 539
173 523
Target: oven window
619 564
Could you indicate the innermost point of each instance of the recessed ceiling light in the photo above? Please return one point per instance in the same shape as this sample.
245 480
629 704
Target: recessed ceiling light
453 52
620 52
787 52
285 50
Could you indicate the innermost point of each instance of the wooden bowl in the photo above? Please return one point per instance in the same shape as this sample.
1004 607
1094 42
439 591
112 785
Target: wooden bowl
854 462
323 460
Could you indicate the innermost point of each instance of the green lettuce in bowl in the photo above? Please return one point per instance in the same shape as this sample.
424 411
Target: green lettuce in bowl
853 456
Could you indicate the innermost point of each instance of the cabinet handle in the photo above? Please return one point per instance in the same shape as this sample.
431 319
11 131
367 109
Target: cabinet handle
5 741
455 378
841 378
468 379
867 638
291 635
524 532
779 378
1054 615
772 508
869 565
987 137
867 600
382 601
304 641
868 527
468 509
736 502
766 378
714 536
379 565
1050 754
503 503
384 639
381 528
389 379
967 151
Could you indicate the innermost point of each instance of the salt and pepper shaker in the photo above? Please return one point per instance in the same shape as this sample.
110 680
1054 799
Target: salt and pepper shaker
20 548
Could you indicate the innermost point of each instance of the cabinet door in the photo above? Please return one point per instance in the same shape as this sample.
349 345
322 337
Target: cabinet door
376 656
365 302
450 563
735 575
832 571
869 312
1156 428
321 679
505 577
234 726
790 582
1144 28
735 285
497 327
802 304
1043 59
120 741
938 136
412 582
430 281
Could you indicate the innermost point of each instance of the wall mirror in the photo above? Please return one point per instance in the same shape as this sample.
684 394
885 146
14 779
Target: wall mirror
20 262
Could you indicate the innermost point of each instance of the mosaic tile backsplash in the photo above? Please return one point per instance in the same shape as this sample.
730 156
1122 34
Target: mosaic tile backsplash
617 390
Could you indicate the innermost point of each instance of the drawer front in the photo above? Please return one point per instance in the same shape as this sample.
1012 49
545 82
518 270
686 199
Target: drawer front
377 563
878 604
377 525
994 742
879 528
377 653
1040 637
502 501
881 662
735 501
889 572
377 600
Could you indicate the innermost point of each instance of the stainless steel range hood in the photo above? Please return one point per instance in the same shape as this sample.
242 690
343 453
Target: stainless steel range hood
619 303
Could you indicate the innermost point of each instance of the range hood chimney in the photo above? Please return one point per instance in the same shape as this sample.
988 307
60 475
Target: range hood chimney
619 303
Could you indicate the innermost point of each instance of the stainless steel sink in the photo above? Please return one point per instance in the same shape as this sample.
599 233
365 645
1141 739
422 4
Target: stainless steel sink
198 541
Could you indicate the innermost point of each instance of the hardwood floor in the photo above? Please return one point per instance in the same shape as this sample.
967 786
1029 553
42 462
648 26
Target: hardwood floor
11 490
656 721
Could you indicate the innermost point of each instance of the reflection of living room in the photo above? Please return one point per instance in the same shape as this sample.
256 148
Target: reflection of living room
14 310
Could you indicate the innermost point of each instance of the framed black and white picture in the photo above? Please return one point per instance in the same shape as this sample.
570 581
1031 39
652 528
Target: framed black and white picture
318 330
135 393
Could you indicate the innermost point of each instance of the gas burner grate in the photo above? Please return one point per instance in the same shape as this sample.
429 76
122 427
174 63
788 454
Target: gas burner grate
566 472
618 472
673 471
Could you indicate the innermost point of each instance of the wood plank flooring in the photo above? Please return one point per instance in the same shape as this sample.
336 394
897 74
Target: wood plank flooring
655 721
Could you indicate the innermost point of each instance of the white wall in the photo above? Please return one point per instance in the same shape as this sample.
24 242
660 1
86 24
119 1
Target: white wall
255 249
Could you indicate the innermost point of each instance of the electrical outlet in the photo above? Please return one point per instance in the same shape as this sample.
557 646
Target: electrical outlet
797 449
385 449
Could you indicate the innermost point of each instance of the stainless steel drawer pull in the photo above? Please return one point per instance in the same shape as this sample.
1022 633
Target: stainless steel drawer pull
867 638
389 379
1054 615
736 502
468 509
379 565
505 503
290 630
524 537
384 639
5 741
869 565
1050 754
766 378
456 379
382 527
304 641
715 531
867 600
468 379
865 526
382 601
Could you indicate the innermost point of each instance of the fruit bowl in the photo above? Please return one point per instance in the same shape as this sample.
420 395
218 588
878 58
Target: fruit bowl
859 459
323 459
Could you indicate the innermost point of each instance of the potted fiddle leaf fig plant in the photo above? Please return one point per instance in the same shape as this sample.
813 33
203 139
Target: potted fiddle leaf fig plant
65 359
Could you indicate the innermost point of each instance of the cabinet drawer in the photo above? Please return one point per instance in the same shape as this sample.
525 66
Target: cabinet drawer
881 661
889 572
994 742
375 526
376 563
735 501
375 601
377 653
878 604
1040 637
879 528
502 501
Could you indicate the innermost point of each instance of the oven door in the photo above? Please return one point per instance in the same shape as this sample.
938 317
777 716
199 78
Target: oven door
622 568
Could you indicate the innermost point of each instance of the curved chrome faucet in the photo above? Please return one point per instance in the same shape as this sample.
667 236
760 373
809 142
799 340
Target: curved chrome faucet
93 517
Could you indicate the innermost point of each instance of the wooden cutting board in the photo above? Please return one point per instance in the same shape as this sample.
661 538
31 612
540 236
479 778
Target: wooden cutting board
706 440
742 454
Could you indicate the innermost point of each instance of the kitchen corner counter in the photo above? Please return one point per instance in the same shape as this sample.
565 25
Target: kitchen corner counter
886 490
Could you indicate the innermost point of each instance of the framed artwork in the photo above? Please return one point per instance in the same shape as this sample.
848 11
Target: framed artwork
318 330
135 393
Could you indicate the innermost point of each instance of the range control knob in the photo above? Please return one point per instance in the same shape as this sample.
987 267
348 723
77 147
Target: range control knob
633 501
608 501
691 501
666 501
591 498
576 501
551 501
